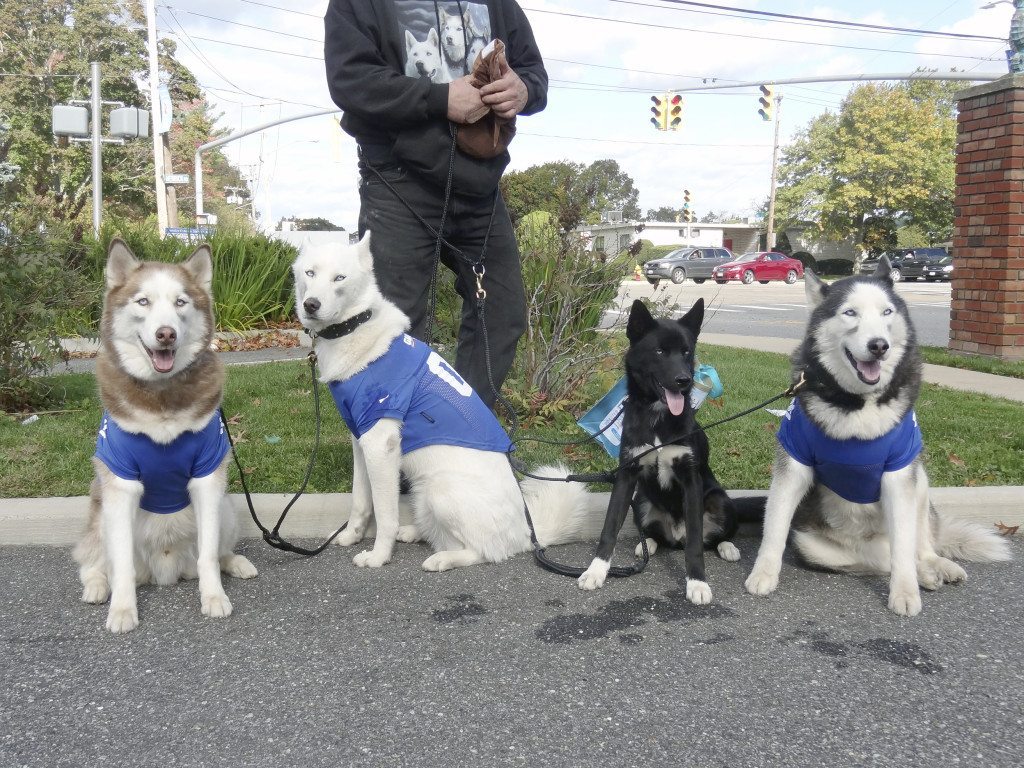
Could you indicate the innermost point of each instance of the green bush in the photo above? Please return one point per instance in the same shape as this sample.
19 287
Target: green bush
37 280
251 274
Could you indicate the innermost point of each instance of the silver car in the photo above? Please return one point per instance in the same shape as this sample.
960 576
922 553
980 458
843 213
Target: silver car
695 263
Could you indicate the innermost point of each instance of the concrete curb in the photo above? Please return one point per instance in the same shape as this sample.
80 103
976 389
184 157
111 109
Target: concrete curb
60 521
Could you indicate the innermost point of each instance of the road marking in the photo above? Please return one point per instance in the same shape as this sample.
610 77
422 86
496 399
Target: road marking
767 309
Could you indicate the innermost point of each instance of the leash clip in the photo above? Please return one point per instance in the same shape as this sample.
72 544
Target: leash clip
479 271
798 386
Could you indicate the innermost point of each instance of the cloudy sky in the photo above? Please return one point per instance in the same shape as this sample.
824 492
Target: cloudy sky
261 61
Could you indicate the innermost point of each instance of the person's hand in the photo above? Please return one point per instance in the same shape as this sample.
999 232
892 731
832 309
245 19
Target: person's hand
507 95
464 103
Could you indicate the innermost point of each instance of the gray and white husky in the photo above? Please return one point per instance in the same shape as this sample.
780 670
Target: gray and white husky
848 473
396 396
158 510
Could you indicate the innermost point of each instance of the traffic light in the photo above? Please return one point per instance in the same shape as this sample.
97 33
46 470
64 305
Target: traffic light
660 112
675 111
687 212
766 103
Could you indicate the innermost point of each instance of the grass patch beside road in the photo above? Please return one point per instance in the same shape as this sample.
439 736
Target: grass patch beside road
969 439
942 356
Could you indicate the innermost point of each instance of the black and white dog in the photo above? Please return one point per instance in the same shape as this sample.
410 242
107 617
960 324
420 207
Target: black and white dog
676 499
848 472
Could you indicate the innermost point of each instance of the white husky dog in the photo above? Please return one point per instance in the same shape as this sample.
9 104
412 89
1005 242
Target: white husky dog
848 463
158 505
454 35
409 411
424 59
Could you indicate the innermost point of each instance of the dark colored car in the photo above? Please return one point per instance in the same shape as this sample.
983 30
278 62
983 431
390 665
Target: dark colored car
696 263
917 260
761 266
870 264
940 270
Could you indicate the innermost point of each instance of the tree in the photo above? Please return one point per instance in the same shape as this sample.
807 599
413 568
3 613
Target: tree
663 214
571 192
887 155
315 224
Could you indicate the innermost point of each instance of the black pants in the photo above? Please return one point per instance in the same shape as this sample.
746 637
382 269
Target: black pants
403 258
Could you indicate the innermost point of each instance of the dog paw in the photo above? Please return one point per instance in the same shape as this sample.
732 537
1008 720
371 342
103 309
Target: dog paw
728 551
934 572
371 558
761 582
95 592
594 576
408 534
122 619
238 566
905 602
437 562
652 547
698 592
216 606
348 537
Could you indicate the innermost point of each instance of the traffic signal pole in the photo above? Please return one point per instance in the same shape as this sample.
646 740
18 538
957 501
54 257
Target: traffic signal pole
770 238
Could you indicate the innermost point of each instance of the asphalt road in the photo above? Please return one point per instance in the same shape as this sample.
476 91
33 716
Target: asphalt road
324 664
778 310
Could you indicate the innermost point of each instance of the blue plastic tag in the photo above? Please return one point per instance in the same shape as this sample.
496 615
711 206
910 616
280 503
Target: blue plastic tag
606 415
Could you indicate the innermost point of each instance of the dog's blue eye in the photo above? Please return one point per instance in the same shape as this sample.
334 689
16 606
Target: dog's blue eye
309 273
888 311
180 303
339 278
143 302
850 313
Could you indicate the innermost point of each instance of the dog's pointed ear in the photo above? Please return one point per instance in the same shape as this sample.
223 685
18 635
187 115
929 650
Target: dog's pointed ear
884 269
121 262
200 265
814 287
365 255
640 321
694 318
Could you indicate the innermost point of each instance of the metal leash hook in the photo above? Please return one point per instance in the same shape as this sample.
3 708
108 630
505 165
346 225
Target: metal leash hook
479 271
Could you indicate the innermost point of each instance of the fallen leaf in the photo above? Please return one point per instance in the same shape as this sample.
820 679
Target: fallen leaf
954 459
1007 530
236 419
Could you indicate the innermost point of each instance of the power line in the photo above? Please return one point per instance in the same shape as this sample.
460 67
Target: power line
749 37
286 10
769 15
247 26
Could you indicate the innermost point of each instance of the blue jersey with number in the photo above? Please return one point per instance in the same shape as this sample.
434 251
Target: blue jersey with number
852 468
415 385
163 468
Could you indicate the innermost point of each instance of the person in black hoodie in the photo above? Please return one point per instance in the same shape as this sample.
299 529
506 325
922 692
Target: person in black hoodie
400 71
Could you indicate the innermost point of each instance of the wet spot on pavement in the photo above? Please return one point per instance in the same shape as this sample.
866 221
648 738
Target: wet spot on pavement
463 607
902 654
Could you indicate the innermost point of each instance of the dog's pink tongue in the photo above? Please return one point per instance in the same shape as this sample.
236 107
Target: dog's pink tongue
676 402
870 370
163 360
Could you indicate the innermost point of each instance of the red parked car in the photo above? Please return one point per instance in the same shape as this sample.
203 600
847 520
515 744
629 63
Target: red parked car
761 266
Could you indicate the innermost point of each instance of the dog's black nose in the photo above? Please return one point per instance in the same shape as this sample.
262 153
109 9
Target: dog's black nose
311 306
878 347
683 381
166 335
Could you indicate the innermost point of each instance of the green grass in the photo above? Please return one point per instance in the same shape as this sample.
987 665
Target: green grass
942 356
969 439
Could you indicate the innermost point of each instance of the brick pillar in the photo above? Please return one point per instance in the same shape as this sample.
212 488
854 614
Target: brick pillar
987 312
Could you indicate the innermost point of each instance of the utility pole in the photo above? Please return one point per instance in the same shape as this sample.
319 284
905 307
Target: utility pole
154 101
770 239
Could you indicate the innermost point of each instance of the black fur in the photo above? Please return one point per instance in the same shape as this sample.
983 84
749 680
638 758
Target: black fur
662 356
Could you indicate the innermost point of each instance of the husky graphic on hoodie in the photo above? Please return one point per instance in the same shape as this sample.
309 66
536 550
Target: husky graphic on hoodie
441 39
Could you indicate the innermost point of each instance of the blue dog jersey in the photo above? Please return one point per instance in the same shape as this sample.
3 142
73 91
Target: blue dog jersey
852 468
415 385
164 469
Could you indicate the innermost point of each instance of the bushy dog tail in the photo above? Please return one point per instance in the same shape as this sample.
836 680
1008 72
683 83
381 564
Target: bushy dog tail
964 540
749 509
560 511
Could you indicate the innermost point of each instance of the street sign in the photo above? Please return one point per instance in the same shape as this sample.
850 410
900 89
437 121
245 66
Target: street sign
189 233
176 178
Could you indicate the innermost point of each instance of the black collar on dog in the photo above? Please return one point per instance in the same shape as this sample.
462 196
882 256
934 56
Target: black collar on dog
343 328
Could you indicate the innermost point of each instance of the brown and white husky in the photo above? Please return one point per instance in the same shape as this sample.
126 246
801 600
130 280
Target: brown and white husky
159 510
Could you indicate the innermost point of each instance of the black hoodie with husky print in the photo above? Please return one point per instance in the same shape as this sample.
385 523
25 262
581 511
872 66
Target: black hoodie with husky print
400 117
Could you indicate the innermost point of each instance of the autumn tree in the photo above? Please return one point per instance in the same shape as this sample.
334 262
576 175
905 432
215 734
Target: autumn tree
885 159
